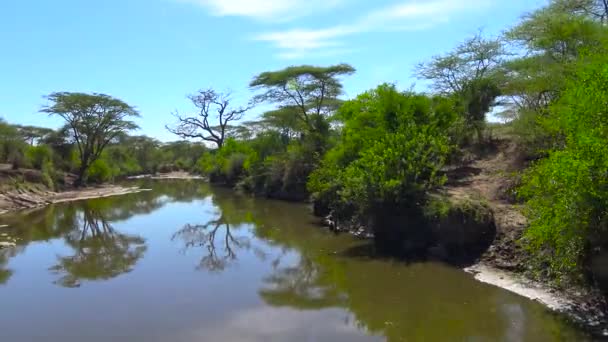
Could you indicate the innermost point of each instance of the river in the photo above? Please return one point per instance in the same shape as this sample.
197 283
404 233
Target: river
190 262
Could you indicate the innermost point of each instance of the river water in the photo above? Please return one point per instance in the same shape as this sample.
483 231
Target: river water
189 262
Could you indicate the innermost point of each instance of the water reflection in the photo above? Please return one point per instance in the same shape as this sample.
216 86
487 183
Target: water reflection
100 252
5 255
300 282
299 287
385 297
219 241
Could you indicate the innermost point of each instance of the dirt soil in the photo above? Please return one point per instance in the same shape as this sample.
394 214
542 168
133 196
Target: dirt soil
490 175
36 197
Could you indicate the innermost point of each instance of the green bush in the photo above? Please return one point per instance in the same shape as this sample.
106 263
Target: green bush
39 155
567 193
234 167
48 174
100 172
391 150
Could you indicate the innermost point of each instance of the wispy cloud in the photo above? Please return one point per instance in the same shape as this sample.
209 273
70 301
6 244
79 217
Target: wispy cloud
406 16
270 10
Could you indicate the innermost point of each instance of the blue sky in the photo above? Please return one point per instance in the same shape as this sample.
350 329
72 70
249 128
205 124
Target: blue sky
151 53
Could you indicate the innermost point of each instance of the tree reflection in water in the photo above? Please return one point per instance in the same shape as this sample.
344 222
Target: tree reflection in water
301 286
5 255
100 252
216 236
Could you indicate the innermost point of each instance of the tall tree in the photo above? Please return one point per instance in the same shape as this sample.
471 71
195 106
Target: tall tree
309 92
552 39
94 121
470 72
210 105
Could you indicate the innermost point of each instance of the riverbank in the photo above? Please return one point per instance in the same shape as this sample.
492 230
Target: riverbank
170 175
36 196
489 176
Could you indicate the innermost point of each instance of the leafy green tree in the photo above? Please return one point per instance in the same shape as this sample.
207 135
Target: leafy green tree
308 92
389 155
471 73
94 121
211 105
552 39
12 145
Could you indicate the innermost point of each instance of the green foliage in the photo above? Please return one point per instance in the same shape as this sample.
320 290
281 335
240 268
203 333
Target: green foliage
304 91
392 146
48 174
567 193
94 121
554 38
472 74
100 172
12 146
39 155
228 164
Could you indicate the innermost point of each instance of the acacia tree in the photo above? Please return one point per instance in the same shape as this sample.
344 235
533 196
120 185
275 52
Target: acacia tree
553 38
93 120
470 72
211 105
309 92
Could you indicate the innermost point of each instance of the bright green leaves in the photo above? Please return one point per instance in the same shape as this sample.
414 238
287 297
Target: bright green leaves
567 193
392 146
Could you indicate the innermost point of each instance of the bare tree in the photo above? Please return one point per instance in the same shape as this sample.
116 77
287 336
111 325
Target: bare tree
211 105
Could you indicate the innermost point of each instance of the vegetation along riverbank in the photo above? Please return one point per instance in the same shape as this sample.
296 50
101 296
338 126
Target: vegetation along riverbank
427 175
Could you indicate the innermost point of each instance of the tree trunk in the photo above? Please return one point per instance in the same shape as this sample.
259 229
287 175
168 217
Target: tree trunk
80 180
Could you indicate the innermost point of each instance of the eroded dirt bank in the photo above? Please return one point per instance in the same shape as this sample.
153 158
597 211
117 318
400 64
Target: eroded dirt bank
488 176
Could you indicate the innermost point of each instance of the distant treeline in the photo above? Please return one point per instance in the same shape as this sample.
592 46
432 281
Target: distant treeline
54 152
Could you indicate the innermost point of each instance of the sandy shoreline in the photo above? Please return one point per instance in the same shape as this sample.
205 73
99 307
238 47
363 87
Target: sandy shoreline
171 175
582 308
19 200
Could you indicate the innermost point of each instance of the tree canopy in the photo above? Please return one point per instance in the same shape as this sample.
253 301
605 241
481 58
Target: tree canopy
307 91
94 121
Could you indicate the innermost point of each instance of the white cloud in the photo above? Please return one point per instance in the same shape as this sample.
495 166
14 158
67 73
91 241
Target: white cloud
407 16
273 10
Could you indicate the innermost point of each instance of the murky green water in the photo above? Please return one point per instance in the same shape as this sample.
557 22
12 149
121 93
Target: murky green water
187 262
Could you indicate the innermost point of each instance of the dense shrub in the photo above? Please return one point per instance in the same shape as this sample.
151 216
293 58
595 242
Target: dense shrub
392 146
567 193
229 164
99 172
39 155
